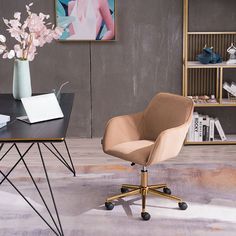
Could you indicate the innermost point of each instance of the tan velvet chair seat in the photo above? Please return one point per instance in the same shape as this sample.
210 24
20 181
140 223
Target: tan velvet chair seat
151 136
134 151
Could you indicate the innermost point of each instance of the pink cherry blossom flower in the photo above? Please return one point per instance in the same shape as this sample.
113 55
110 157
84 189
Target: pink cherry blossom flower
18 51
2 39
33 33
5 55
11 54
14 34
35 42
31 56
17 15
27 9
14 23
2 49
5 21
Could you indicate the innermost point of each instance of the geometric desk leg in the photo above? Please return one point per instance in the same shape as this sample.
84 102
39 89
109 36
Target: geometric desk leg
1 146
68 152
49 186
58 228
59 156
16 164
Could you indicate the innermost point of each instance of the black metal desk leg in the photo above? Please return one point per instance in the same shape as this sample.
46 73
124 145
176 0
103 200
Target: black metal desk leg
50 189
68 152
57 227
22 195
37 188
1 146
6 152
60 157
16 164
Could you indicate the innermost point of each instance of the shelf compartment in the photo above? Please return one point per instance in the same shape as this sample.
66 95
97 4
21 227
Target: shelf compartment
202 82
220 42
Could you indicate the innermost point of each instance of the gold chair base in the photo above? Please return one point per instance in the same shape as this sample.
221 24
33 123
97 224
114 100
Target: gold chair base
144 189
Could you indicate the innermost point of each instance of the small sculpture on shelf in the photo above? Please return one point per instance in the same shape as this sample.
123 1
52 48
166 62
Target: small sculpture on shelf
204 99
209 56
232 57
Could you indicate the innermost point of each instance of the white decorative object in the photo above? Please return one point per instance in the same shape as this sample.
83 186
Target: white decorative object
21 80
232 54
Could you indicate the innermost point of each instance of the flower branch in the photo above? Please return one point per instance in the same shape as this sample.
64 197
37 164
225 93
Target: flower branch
30 35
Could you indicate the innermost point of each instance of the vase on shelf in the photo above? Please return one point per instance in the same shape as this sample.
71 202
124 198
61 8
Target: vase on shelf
21 79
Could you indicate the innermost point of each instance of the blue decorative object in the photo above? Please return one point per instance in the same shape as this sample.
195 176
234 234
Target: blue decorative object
208 56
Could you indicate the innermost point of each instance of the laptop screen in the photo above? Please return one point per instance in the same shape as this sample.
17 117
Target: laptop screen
42 107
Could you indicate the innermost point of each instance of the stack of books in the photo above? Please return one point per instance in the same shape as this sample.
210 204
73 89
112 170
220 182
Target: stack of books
203 128
3 120
230 88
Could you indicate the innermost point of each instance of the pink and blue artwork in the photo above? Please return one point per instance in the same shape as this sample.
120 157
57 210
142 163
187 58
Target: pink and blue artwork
86 20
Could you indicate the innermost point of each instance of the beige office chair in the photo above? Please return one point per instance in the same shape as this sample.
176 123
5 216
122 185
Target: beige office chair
147 138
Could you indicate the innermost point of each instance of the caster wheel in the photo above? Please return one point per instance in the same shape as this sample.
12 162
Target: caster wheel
109 206
183 205
124 190
167 191
145 216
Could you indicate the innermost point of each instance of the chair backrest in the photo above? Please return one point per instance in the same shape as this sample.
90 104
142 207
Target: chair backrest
165 111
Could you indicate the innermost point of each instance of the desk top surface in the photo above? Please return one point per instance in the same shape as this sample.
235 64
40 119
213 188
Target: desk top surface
18 131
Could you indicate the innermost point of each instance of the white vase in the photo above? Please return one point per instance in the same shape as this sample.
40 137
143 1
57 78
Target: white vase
21 79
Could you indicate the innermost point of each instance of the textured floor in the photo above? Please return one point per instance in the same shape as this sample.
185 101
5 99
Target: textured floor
204 175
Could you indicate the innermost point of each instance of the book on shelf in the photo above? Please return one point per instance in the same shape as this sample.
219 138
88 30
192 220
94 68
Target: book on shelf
200 128
220 129
203 129
233 86
211 130
196 124
190 135
230 88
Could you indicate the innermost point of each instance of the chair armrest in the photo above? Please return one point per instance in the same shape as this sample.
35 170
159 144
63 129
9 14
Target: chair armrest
168 144
122 129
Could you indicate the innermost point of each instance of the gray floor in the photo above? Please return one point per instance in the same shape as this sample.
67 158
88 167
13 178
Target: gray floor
205 176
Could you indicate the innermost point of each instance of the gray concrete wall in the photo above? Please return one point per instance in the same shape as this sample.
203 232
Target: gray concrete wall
117 77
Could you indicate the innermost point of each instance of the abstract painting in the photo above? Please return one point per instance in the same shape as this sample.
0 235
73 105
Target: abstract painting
92 20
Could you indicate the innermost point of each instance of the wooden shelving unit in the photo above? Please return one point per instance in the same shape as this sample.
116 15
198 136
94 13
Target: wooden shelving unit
200 79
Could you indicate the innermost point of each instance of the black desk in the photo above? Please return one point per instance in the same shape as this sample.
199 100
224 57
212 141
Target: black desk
44 134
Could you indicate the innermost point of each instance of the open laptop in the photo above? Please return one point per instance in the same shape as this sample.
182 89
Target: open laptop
41 108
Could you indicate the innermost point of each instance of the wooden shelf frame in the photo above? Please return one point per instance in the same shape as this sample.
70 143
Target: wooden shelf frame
231 141
221 40
196 33
211 143
197 64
